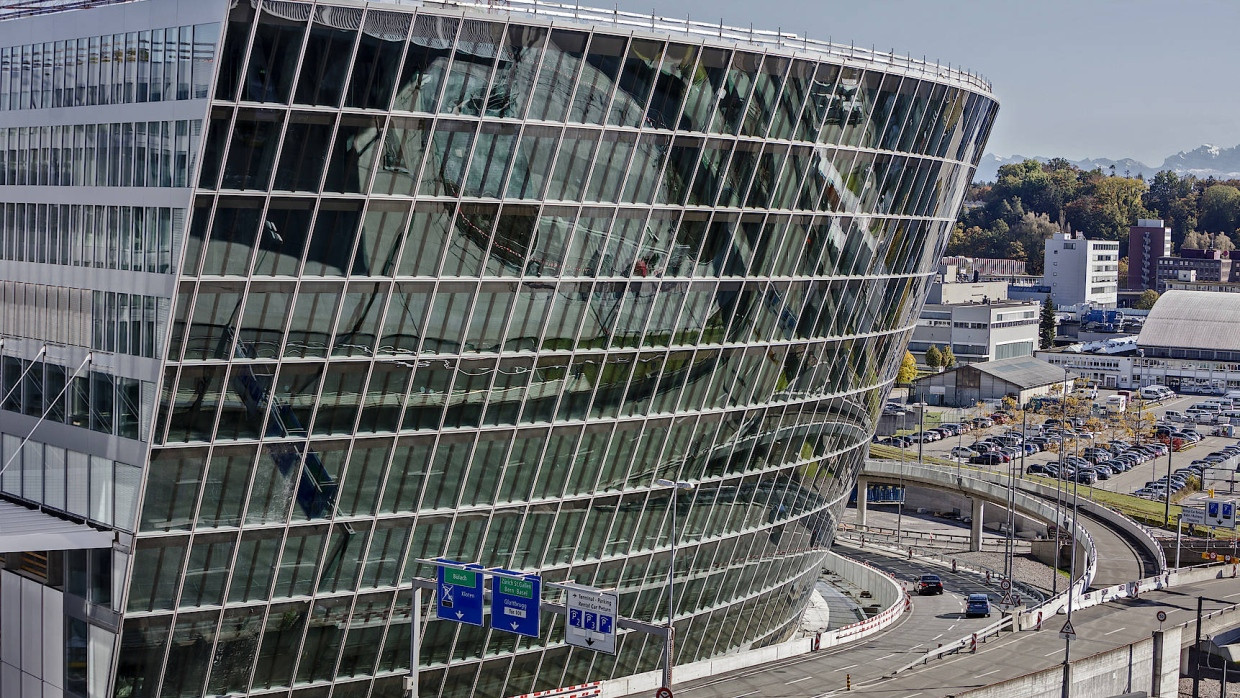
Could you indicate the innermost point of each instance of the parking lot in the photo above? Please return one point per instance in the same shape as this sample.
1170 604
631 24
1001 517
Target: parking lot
1127 482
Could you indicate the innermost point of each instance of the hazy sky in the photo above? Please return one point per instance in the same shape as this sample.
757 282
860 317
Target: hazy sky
1076 78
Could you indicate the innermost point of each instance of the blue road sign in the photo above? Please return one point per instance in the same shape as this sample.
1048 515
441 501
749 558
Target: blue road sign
516 603
1213 510
459 594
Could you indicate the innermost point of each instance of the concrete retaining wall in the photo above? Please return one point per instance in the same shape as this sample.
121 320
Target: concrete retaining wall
1127 669
885 589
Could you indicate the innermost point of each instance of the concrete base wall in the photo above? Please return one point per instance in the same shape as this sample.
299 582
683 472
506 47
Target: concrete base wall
1129 669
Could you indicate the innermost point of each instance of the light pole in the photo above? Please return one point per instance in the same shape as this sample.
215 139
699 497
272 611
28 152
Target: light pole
677 487
1167 497
1067 638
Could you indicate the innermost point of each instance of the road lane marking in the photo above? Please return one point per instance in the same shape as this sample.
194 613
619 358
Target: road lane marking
936 637
846 667
747 694
1117 630
993 671
885 657
789 683
1051 653
951 626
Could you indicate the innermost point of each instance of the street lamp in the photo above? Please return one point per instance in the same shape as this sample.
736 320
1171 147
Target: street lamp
668 642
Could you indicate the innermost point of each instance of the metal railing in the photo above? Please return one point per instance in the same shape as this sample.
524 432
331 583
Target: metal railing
777 39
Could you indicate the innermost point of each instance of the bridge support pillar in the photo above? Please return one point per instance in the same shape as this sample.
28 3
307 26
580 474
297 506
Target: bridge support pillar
863 488
1165 682
975 527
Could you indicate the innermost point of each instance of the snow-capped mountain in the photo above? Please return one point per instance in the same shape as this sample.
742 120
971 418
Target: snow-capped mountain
1206 161
1202 162
988 168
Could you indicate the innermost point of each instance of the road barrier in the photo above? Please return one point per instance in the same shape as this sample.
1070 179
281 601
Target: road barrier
884 588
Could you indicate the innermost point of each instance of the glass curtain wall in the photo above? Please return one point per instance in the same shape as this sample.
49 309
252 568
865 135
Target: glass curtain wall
466 285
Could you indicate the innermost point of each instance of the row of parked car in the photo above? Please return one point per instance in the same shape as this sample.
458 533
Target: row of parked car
1227 458
1101 462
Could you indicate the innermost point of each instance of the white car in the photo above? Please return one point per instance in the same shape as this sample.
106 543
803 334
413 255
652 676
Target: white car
963 452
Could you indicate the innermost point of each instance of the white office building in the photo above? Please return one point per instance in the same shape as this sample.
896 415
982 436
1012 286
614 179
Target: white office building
977 332
1081 271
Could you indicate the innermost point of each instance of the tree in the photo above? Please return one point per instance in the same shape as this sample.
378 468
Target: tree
1046 324
1223 243
1194 241
1174 200
934 357
1123 273
1031 233
1220 208
949 359
908 369
1146 300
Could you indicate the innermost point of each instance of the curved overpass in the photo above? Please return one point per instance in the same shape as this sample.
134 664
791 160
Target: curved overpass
1119 549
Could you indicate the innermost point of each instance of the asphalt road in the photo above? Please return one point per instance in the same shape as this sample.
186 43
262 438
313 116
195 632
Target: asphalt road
933 620
1100 628
937 619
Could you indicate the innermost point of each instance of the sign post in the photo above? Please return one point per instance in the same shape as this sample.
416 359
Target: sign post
458 594
591 618
516 602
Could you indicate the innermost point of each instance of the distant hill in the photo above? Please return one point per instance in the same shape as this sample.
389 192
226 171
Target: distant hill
1202 162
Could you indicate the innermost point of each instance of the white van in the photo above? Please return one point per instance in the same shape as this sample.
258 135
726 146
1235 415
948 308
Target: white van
1156 392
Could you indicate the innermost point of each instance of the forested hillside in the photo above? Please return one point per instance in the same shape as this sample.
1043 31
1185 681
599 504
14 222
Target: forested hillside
1029 201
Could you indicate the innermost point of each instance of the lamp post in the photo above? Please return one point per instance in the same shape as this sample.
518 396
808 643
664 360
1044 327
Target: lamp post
1167 496
1067 638
677 487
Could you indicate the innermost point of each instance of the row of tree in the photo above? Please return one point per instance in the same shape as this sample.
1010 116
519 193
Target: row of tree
1030 201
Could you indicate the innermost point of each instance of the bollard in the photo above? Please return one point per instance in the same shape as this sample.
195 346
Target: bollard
847 682
973 644
953 564
987 577
1039 620
910 552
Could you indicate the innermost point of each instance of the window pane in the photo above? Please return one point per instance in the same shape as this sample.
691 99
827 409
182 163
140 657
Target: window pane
273 58
378 59
329 46
304 153
426 61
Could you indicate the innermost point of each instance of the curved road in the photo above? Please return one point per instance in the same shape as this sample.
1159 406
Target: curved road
937 619
933 620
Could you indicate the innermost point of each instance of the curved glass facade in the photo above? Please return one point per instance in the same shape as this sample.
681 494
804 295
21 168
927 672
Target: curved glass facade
464 283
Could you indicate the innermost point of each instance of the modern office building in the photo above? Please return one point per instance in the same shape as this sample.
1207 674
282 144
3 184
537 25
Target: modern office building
1081 271
1148 241
293 295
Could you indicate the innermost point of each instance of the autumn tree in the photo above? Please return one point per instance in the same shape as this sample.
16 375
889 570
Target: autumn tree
934 357
908 369
949 358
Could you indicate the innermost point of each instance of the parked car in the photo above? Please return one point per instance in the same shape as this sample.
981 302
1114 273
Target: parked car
963 452
992 458
976 606
929 584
